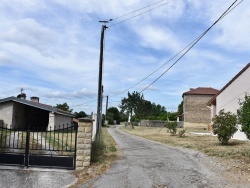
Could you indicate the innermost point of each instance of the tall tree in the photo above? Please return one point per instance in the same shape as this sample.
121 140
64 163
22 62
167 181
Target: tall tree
64 107
113 114
130 103
143 109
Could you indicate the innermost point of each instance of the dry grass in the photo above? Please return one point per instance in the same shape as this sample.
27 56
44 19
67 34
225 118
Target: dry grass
106 154
236 154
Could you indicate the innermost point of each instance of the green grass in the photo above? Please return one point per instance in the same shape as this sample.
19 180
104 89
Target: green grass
106 148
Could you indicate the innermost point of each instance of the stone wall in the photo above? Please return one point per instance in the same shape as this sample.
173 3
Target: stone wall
195 108
152 123
84 143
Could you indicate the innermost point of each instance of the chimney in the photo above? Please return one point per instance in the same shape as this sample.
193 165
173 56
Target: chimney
34 99
191 89
22 96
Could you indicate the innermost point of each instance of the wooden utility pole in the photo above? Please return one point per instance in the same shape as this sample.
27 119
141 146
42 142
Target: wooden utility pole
100 87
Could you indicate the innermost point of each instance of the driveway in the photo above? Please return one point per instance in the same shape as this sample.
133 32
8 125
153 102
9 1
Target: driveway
14 177
146 164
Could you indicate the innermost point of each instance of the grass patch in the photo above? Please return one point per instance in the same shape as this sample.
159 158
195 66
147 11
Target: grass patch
101 158
209 145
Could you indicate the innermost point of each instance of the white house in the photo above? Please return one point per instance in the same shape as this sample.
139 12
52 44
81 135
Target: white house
228 97
19 113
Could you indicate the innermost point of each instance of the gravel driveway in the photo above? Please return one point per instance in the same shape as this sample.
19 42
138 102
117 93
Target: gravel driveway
146 164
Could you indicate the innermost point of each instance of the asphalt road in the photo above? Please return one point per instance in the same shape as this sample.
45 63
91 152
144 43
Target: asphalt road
146 164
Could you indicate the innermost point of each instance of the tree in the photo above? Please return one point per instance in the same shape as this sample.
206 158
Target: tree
80 114
244 115
180 108
113 114
130 103
224 125
64 107
143 109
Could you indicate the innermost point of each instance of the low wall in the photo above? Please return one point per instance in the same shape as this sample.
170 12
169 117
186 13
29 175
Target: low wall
152 123
84 143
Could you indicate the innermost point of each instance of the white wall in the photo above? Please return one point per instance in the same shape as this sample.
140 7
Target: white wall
51 121
62 120
94 118
6 113
229 98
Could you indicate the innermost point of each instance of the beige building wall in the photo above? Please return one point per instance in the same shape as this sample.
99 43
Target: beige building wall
195 108
6 111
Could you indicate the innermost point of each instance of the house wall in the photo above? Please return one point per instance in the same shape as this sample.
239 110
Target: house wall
229 98
195 108
6 112
62 120
213 111
51 121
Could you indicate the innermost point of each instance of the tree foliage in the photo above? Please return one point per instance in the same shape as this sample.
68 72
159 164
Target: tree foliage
130 103
224 125
113 114
143 109
64 107
80 114
244 115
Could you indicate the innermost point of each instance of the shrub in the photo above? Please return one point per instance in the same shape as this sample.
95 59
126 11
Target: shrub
172 127
244 115
182 133
224 125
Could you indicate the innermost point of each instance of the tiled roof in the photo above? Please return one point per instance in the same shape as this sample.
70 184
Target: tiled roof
202 91
36 105
213 100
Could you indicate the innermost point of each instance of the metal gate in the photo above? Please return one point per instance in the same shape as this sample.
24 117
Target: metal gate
39 148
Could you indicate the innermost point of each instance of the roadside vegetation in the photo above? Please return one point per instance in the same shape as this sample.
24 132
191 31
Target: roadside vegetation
102 156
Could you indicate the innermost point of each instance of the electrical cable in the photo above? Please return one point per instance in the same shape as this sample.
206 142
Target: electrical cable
167 61
135 11
195 41
199 38
139 14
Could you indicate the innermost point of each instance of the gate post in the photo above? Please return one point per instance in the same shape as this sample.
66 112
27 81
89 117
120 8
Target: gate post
26 161
84 143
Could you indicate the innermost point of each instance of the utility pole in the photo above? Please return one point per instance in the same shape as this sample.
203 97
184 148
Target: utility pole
107 101
100 86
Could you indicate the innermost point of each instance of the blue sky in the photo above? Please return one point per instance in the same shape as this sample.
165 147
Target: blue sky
50 48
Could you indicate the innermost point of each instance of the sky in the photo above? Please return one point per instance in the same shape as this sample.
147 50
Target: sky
51 49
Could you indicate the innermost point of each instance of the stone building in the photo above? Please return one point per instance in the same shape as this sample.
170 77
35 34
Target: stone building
195 108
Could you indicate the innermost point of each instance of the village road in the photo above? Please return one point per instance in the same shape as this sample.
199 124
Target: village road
146 164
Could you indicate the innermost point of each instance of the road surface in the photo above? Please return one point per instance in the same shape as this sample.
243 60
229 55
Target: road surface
146 164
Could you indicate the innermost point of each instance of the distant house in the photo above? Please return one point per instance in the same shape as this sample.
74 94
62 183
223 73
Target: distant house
228 97
19 113
195 108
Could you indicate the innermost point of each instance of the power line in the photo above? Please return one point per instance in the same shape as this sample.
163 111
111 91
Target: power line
199 38
140 14
191 43
136 10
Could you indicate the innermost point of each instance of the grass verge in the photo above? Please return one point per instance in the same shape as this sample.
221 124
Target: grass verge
101 158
